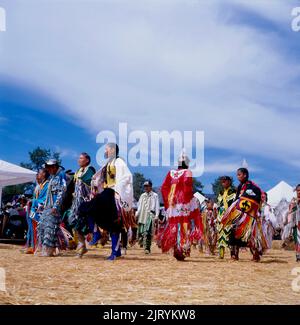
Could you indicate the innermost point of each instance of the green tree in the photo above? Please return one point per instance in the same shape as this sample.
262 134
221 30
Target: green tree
26 165
197 186
217 186
138 182
10 191
38 157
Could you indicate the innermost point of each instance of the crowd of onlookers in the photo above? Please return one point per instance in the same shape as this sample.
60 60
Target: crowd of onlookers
13 218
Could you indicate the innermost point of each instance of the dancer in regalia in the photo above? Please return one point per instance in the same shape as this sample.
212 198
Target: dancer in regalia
30 237
49 226
82 193
36 209
225 200
243 217
160 226
209 220
294 219
268 221
184 224
112 206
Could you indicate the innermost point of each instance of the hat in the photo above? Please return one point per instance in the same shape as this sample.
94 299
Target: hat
148 183
225 178
51 162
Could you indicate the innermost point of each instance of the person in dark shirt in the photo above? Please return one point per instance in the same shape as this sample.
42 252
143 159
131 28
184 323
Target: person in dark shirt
243 217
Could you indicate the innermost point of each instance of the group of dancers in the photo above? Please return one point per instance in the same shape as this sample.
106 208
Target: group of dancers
67 212
241 218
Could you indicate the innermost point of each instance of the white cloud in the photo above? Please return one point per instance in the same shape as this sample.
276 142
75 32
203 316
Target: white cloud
67 152
295 163
228 165
162 65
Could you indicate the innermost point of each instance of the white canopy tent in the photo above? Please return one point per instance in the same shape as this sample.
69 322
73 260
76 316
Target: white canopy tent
200 197
12 175
282 191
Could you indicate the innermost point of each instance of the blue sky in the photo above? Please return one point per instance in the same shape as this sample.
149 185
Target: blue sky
231 68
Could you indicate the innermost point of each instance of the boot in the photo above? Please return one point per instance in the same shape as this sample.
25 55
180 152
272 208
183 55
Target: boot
48 251
147 244
235 253
96 238
222 253
256 256
29 251
81 249
115 247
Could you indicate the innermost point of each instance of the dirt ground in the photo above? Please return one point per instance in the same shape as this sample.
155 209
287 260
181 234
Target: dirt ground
141 279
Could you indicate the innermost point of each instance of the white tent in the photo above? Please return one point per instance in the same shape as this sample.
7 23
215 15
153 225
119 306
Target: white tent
12 175
200 197
282 191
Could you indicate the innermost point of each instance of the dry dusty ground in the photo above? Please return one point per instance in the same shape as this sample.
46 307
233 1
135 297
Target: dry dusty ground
140 279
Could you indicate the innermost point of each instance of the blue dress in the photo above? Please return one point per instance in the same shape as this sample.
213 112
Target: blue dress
49 224
39 201
33 214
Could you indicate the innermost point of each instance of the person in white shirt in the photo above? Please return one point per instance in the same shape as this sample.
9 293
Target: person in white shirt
111 207
147 214
269 222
